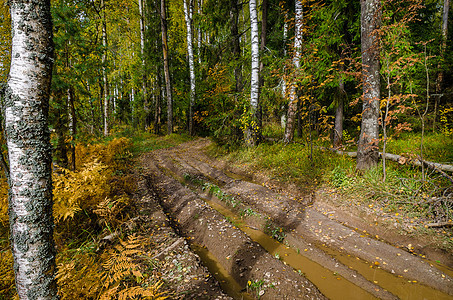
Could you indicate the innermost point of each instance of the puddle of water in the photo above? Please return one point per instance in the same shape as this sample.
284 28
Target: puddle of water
227 282
331 285
401 287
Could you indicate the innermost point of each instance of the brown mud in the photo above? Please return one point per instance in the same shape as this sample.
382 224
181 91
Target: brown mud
323 250
184 275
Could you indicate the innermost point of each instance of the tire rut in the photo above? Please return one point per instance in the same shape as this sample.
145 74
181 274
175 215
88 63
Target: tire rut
244 259
304 225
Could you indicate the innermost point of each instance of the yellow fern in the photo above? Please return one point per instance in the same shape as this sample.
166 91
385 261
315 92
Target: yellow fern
108 154
79 278
120 272
138 292
7 287
109 210
74 191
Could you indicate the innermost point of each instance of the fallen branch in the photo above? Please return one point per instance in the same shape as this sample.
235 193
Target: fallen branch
435 167
402 160
169 248
439 224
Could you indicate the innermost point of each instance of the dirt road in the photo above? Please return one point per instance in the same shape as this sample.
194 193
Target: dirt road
274 244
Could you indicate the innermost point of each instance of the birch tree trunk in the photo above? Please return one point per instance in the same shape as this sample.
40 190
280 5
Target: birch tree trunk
28 139
104 71
285 36
200 11
292 106
188 12
368 146
252 130
285 52
163 16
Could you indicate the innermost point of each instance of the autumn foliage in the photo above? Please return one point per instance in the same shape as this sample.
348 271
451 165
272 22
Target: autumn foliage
96 257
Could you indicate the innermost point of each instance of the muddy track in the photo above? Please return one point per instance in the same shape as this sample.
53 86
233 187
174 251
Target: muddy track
355 259
181 270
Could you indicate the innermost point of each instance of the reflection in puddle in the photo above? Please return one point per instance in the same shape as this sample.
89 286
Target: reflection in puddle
227 282
399 286
330 284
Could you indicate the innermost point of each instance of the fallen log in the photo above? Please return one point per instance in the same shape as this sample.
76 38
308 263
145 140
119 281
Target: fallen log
399 159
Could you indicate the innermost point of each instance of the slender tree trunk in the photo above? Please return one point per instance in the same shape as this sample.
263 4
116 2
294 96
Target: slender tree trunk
92 109
141 7
423 116
163 16
252 131
236 47
29 150
157 110
339 112
384 120
292 106
104 71
368 146
188 12
61 154
443 46
72 126
284 89
200 11
285 37
264 8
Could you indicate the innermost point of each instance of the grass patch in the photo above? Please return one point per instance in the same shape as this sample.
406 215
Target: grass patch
143 141
437 147
221 195
274 231
146 142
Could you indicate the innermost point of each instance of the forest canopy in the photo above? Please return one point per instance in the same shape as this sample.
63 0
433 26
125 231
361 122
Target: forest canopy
110 68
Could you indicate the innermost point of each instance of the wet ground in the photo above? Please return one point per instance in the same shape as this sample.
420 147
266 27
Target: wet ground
260 239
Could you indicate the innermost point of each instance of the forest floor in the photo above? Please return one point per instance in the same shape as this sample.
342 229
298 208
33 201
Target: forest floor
265 239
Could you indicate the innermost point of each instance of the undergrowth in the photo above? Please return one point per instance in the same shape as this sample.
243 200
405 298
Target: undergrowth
145 141
97 257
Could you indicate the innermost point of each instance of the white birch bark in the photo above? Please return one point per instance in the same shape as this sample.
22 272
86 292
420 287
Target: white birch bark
104 71
252 129
285 52
188 12
292 106
200 11
254 81
132 104
29 150
72 126
285 37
